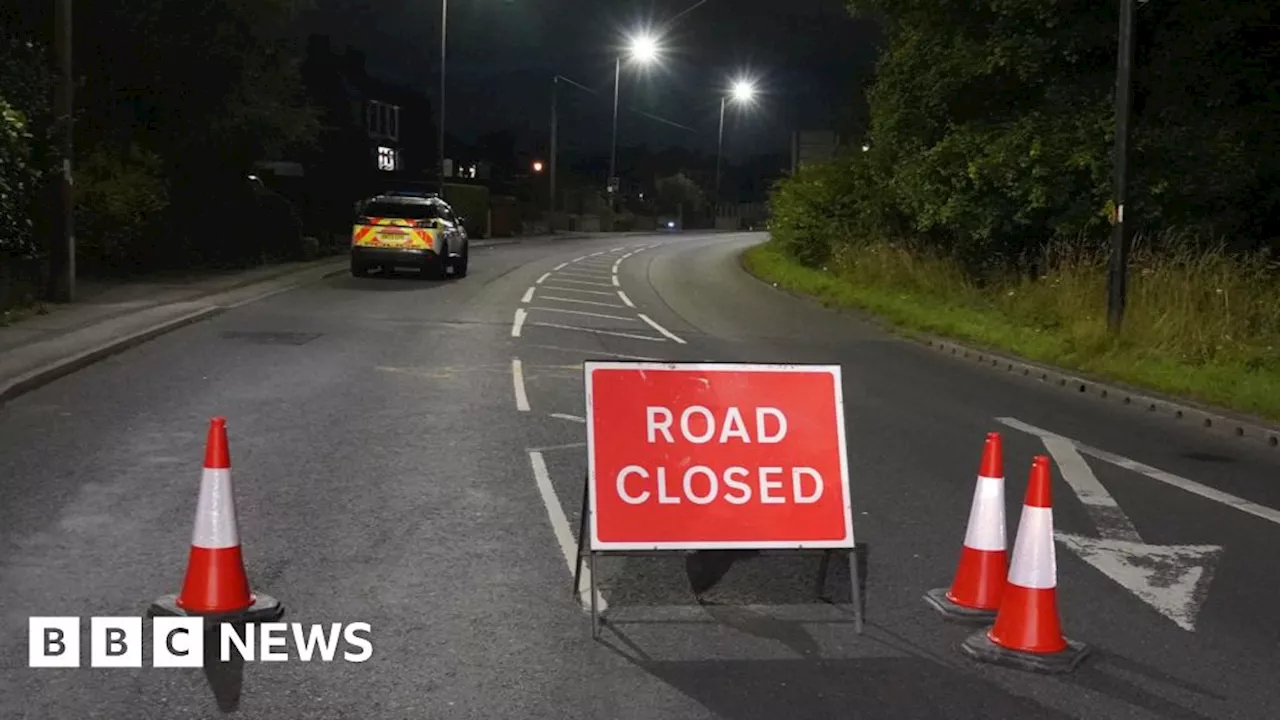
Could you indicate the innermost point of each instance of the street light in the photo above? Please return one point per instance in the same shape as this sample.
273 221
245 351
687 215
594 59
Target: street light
537 166
743 92
642 49
444 28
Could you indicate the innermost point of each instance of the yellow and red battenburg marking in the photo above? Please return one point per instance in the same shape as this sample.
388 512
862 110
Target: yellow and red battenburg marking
376 232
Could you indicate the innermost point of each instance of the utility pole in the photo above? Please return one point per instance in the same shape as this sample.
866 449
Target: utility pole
1117 275
555 127
613 147
719 152
62 277
444 35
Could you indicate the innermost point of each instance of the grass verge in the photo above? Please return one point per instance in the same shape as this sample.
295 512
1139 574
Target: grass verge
1201 326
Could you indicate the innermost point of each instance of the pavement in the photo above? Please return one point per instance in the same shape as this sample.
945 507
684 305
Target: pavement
410 454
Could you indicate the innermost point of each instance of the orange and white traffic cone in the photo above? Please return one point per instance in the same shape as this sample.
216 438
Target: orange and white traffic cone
216 584
975 593
1028 633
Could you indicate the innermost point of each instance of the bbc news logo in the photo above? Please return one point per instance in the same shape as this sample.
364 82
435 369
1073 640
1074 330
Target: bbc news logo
179 642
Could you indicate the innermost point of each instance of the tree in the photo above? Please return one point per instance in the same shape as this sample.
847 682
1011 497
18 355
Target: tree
677 194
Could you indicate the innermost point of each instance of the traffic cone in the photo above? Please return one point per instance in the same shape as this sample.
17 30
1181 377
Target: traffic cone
974 595
1027 633
216 584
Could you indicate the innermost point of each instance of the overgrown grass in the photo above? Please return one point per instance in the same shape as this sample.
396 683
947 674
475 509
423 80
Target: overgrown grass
1199 324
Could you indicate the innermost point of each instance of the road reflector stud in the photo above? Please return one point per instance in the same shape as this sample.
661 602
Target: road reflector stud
216 585
1027 633
975 593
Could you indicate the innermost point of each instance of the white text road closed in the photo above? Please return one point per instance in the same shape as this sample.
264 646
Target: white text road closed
716 456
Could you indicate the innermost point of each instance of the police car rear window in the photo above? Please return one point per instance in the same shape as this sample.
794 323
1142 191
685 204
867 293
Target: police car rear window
408 211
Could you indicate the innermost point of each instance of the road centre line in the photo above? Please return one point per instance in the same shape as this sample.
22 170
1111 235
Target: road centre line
626 299
1191 486
518 324
579 259
517 378
582 302
600 353
583 313
561 266
616 282
528 295
543 278
582 282
661 329
616 266
563 533
578 290
556 326
570 418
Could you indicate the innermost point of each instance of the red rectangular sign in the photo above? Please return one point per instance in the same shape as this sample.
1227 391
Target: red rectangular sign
714 456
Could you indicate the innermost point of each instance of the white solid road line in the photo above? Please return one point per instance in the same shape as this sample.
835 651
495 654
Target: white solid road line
1167 478
616 282
560 526
543 278
561 266
582 282
1112 523
601 353
518 323
579 259
585 314
661 329
582 302
571 418
517 377
577 290
573 328
528 295
626 299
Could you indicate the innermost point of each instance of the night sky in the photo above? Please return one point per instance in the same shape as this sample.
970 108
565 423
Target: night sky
808 55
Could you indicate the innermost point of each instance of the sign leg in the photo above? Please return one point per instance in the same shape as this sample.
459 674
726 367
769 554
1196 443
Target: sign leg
595 611
857 590
582 541
820 585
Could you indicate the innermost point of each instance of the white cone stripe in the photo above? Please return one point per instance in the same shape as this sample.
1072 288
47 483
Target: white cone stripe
986 516
216 513
1034 563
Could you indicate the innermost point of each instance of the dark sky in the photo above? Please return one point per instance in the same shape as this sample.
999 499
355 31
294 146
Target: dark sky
808 55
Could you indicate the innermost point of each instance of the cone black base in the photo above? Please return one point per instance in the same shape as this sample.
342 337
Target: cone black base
937 599
264 609
980 647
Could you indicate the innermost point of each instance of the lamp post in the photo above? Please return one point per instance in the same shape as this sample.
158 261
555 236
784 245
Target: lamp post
444 34
642 49
743 92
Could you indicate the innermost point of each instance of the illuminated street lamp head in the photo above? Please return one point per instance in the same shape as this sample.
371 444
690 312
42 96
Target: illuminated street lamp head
537 166
744 91
644 48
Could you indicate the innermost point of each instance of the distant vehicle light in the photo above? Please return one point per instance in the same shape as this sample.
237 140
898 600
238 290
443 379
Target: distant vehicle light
671 224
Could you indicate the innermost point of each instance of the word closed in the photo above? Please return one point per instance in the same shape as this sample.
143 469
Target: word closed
702 456
180 642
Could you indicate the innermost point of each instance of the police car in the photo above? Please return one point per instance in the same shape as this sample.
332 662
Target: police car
420 231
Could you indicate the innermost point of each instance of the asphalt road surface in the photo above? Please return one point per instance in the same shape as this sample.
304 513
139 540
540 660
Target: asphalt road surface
410 454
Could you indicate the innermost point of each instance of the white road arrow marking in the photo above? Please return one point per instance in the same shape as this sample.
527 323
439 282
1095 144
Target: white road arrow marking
1172 579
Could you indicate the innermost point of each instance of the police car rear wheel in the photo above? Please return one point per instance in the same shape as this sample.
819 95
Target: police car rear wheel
460 263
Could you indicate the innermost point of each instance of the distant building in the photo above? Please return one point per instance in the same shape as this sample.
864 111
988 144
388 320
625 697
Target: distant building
377 134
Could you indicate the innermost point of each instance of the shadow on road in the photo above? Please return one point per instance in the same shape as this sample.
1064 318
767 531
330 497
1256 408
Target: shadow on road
893 688
225 679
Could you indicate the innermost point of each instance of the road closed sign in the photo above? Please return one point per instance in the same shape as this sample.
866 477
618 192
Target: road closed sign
716 456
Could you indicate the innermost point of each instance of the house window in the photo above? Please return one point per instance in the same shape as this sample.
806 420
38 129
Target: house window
393 127
388 159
